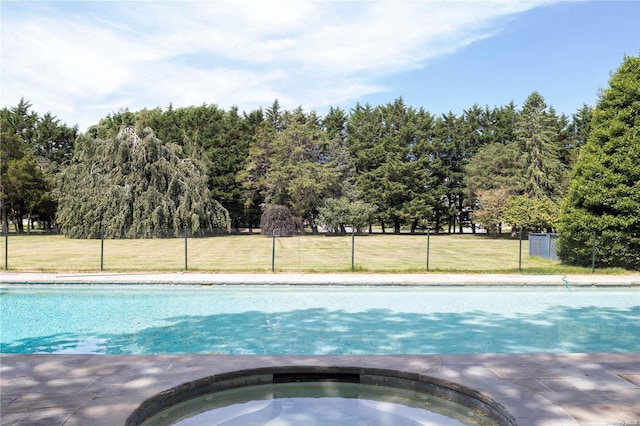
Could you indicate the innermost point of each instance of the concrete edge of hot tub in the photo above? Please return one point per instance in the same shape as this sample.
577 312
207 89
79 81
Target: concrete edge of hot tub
389 378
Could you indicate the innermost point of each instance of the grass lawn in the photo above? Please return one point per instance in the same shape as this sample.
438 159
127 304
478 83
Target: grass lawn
255 253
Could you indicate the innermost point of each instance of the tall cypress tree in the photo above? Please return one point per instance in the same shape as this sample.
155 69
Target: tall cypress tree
604 191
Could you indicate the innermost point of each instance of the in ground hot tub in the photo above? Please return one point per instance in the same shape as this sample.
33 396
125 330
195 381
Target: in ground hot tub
320 396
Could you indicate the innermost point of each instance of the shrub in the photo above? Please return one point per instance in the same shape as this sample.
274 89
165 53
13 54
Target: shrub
277 220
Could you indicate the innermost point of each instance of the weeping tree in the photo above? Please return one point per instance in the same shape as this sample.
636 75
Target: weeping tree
134 186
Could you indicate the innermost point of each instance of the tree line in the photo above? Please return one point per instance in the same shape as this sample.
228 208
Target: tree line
398 165
392 166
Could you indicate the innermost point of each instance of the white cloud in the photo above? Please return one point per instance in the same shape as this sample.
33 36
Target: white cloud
85 60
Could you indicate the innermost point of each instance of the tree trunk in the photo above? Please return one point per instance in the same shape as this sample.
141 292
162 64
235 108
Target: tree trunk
18 222
436 221
5 221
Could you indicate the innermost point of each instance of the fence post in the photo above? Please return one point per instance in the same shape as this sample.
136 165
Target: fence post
547 247
353 248
428 240
520 251
101 248
185 249
6 249
593 254
273 251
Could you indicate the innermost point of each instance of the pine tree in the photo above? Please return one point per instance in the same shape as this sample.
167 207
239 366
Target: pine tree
540 155
604 191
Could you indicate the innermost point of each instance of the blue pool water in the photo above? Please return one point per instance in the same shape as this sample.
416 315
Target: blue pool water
162 319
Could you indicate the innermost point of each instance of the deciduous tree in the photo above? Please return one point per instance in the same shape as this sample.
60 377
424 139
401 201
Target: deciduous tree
488 212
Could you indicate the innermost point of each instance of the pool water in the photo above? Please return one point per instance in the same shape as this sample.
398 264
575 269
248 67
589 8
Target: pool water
337 404
165 319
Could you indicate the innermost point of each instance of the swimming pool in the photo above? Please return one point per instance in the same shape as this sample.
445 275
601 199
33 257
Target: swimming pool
167 319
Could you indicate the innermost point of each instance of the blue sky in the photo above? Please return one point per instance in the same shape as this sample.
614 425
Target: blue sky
84 60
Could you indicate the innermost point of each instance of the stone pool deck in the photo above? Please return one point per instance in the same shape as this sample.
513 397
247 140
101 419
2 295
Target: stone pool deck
538 389
542 389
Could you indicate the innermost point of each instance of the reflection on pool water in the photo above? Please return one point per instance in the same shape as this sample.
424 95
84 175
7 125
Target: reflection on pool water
323 404
145 319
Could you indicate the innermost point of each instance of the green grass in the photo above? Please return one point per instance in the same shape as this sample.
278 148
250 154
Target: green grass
307 253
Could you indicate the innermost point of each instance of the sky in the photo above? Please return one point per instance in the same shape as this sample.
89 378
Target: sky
82 60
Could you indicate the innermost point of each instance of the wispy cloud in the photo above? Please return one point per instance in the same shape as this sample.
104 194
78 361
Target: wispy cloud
82 60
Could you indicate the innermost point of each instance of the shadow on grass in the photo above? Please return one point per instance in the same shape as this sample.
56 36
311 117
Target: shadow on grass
321 331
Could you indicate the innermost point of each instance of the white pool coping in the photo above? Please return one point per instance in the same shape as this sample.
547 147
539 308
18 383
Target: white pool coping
323 279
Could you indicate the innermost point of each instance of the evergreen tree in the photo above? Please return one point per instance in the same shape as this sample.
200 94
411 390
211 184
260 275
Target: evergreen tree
133 185
504 120
34 149
288 165
247 175
297 177
604 191
364 143
578 133
253 177
536 137
334 123
54 142
495 166
451 156
392 151
23 187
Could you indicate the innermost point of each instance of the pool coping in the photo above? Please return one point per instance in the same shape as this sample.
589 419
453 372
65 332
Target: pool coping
365 279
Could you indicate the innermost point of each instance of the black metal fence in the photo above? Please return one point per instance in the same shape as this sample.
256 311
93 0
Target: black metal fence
240 251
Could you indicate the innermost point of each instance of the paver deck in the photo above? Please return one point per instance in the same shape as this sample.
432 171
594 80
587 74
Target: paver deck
541 389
